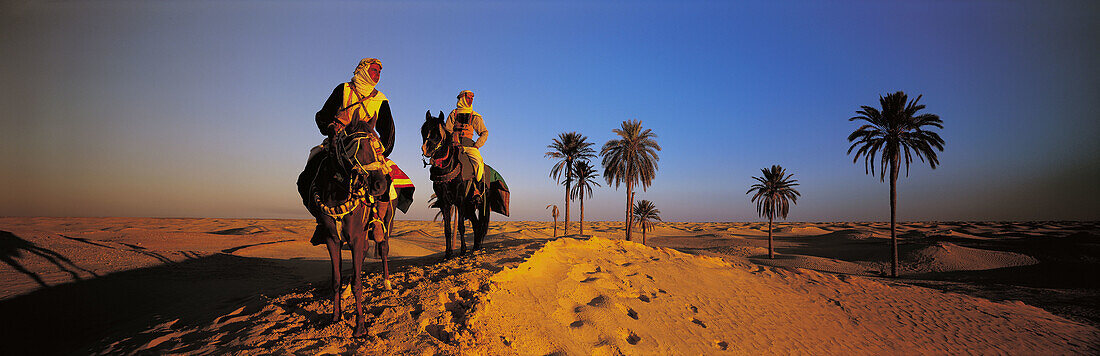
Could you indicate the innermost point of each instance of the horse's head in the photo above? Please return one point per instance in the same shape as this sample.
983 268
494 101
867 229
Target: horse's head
358 147
432 133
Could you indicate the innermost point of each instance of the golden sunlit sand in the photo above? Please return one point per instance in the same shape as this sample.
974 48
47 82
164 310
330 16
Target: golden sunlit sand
243 286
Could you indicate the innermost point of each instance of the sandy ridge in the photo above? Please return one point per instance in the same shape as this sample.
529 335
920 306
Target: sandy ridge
615 297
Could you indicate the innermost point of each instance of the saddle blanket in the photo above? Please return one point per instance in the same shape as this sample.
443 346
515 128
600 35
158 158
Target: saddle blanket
401 191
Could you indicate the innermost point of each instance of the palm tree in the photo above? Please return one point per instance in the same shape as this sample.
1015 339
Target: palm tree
586 178
892 132
569 147
555 214
644 212
630 159
774 195
433 202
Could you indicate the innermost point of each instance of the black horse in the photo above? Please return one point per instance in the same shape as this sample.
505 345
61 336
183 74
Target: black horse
452 192
343 187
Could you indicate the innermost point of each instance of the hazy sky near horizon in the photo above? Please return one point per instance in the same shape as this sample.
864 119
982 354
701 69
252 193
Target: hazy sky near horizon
205 108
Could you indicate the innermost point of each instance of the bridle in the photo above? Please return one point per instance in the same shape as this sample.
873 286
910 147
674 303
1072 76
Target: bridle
438 145
439 162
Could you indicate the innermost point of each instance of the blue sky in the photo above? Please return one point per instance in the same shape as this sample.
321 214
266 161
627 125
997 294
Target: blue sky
204 109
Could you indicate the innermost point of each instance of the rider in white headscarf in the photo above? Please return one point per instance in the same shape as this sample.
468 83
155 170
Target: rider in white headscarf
464 122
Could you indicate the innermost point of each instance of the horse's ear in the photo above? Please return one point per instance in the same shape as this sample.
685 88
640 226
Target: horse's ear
428 114
441 115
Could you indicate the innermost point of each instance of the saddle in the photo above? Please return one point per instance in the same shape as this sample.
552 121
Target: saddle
467 175
337 179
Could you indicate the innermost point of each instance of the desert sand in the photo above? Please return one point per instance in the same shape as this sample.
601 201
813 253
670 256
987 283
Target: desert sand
245 286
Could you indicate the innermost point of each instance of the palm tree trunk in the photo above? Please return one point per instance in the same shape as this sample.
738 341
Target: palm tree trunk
582 214
643 233
567 205
771 252
555 226
629 203
893 217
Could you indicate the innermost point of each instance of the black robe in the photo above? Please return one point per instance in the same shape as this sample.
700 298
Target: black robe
383 122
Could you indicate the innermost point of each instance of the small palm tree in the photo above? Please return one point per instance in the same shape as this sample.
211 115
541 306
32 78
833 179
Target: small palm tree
645 212
586 176
433 202
893 133
569 147
630 159
554 212
774 194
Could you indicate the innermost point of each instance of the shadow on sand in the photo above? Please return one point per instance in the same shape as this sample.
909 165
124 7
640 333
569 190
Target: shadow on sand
12 248
65 318
81 317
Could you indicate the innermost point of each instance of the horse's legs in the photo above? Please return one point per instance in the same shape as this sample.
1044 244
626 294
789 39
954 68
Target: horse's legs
381 239
483 224
462 231
475 225
357 236
334 254
446 209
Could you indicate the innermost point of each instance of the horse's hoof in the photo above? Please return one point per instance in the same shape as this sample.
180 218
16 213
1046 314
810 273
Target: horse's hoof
336 318
360 331
389 286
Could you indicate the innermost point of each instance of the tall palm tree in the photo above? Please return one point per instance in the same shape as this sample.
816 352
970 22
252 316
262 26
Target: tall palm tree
644 213
895 132
630 159
569 147
586 176
774 194
554 212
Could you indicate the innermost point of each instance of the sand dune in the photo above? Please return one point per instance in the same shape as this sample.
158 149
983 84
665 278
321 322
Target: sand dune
246 286
945 256
611 297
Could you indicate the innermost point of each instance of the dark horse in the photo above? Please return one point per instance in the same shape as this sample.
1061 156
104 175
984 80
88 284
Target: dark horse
342 187
451 191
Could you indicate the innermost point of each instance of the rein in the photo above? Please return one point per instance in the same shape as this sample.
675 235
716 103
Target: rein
352 169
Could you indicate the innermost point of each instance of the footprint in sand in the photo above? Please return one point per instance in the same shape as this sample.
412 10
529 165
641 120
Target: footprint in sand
699 322
631 313
643 298
722 345
632 338
576 324
598 301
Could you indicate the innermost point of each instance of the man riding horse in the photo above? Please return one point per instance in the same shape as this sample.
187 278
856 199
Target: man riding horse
463 122
348 183
355 101
462 182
